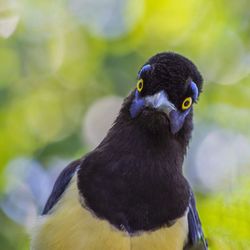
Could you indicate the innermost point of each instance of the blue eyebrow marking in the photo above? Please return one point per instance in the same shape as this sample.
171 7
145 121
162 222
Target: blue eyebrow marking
144 69
194 90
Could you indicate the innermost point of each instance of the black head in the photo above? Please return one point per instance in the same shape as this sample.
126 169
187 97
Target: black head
168 85
170 72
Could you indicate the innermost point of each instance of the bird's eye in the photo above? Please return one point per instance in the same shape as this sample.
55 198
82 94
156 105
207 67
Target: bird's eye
186 103
139 85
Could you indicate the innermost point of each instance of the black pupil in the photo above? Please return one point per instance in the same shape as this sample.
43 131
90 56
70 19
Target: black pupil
140 85
186 103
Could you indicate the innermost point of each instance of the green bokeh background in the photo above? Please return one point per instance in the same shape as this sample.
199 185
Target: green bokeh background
56 61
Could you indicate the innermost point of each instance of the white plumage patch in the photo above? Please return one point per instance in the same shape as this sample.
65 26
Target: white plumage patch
70 226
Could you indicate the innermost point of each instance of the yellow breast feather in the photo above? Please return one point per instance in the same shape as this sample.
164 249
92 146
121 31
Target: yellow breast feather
70 226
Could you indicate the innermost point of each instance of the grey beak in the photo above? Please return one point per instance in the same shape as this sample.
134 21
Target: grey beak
160 102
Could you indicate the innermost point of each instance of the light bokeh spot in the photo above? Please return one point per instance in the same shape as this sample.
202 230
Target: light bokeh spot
99 119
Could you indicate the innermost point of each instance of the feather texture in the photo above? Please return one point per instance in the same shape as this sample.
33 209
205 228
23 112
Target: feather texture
71 226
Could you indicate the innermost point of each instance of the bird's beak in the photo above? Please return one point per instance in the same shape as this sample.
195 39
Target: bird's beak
161 102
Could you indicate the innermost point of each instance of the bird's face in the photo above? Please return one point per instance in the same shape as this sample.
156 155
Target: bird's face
168 84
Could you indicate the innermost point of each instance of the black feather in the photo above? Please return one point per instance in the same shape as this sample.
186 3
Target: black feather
60 185
196 238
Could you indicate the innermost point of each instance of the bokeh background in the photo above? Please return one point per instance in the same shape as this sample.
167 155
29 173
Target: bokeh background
66 65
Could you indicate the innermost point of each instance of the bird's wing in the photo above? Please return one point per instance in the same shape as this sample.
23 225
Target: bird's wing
60 185
196 238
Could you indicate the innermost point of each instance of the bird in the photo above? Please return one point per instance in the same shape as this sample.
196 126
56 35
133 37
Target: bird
129 193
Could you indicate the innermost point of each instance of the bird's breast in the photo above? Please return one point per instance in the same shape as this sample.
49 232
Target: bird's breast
70 226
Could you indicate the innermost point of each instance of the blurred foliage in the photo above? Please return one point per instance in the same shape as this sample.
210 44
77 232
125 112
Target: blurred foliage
58 57
226 218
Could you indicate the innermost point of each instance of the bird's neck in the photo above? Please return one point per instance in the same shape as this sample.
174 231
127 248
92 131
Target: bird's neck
131 137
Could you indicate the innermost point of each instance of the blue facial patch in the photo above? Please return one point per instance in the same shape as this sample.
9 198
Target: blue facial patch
137 105
194 90
145 68
177 119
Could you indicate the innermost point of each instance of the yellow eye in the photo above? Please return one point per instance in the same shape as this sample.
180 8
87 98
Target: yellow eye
187 103
139 85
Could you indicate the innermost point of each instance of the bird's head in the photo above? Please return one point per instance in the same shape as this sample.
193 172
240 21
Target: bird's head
168 85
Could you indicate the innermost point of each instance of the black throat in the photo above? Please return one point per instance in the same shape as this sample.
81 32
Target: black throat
134 177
